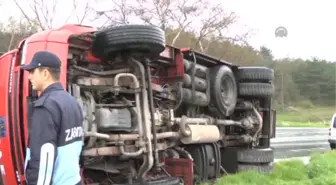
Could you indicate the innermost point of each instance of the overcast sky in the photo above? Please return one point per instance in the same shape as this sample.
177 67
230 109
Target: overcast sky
310 23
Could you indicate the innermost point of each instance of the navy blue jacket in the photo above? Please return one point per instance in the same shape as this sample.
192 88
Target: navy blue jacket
55 139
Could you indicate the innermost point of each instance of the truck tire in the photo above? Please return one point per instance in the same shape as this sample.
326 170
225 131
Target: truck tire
255 155
260 160
206 160
223 90
264 90
255 74
162 181
268 168
147 40
332 146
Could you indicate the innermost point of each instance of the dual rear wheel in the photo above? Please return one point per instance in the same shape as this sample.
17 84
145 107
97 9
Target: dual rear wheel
210 161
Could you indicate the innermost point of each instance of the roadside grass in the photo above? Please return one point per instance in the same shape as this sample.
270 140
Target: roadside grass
320 171
302 124
310 117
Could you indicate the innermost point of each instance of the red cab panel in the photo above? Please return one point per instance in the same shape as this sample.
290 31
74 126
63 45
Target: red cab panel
15 96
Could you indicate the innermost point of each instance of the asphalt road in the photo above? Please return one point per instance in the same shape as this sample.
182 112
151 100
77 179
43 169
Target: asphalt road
305 159
299 142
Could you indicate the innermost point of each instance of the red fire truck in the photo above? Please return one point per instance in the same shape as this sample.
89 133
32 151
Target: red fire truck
153 113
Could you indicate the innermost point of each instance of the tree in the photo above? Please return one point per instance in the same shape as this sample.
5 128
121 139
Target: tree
201 18
196 24
266 53
13 31
43 13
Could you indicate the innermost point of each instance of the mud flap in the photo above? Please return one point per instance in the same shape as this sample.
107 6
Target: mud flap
182 167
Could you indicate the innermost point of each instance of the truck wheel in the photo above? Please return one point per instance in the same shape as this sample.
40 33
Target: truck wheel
255 155
162 181
255 74
223 90
229 160
206 160
256 89
257 159
266 168
332 146
147 40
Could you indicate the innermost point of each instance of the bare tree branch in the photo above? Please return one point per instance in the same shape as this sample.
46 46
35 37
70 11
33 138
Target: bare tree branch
86 11
36 12
200 17
44 12
182 18
118 14
23 13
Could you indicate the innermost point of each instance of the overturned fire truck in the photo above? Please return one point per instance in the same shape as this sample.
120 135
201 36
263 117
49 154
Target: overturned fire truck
153 113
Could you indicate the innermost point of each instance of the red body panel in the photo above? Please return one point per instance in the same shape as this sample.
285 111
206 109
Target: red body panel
13 95
175 70
6 160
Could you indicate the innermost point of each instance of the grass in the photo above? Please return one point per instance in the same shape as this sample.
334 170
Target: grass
320 171
312 117
302 124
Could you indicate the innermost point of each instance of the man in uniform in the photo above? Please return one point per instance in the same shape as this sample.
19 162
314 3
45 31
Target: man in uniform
55 131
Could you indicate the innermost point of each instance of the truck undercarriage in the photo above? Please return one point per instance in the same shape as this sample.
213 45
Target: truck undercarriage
154 113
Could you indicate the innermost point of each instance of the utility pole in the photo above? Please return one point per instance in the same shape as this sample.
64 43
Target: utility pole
281 33
282 93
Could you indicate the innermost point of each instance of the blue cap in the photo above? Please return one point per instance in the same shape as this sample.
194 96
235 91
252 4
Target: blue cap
43 59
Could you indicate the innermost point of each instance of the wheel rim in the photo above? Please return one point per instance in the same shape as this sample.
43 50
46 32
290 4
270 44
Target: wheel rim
227 92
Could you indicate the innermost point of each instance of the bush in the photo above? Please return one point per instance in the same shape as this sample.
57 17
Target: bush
306 104
294 170
320 171
321 165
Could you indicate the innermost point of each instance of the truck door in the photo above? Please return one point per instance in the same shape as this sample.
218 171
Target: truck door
18 126
24 96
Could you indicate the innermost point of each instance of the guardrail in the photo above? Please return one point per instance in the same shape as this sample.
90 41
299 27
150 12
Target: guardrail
296 142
